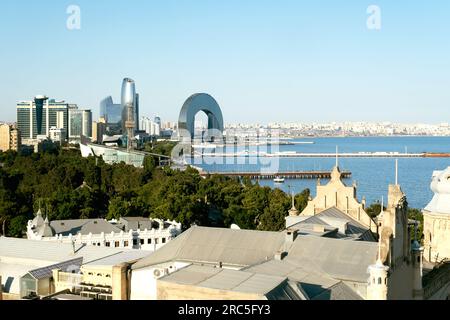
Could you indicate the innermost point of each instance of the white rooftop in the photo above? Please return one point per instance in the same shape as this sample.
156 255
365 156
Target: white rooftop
440 185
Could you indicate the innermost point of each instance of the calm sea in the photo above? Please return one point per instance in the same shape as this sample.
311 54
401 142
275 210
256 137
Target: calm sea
372 175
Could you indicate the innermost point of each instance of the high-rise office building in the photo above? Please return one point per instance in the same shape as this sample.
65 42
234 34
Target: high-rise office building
129 98
87 123
75 123
112 113
80 123
10 138
36 117
150 127
98 130
136 112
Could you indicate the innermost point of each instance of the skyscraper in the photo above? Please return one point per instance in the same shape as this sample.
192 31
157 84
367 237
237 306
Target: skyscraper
39 105
36 117
112 112
129 97
80 123
87 123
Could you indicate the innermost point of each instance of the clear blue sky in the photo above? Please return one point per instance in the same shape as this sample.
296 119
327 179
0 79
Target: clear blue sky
262 60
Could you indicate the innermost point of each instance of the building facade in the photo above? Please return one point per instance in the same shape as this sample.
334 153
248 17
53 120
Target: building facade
127 233
58 134
436 217
112 113
98 130
130 97
80 123
10 138
150 127
36 117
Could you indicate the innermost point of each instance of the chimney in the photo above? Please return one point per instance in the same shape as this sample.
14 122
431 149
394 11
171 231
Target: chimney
291 235
280 255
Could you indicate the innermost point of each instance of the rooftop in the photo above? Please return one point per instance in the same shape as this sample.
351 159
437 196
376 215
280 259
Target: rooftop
229 280
83 226
214 245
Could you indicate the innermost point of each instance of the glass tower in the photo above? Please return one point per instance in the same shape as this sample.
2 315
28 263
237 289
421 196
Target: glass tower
112 113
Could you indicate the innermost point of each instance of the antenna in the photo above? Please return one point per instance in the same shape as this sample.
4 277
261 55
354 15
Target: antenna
337 156
379 239
379 251
396 172
293 198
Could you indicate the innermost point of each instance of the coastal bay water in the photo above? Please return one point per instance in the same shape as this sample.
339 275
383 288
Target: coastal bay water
372 175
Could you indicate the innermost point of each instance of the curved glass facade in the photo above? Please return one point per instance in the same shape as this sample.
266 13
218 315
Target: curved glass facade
129 96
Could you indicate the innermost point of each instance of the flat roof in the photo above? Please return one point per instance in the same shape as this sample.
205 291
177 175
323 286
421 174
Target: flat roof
225 279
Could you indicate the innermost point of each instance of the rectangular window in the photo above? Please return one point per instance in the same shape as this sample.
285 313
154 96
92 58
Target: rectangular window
149 241
108 244
117 244
156 241
134 242
163 240
125 243
142 241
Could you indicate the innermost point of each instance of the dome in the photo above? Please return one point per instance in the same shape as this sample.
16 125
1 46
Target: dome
440 185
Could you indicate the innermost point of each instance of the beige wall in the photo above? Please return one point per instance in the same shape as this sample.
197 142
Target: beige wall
436 226
120 282
9 138
401 283
337 194
4 137
173 291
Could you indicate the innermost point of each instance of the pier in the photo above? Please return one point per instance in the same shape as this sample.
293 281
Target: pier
325 155
284 175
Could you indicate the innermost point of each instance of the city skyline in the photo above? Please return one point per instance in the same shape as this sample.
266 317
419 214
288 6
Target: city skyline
311 61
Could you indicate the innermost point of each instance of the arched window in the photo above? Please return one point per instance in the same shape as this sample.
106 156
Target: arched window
379 280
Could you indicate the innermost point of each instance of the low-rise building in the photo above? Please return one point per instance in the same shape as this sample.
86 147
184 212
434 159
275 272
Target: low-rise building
58 134
128 232
31 269
10 138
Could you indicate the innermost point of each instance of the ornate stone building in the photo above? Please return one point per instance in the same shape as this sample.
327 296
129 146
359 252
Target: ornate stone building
128 232
437 219
336 195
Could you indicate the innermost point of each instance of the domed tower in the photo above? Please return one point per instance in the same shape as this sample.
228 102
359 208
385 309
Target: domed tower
436 216
417 262
377 288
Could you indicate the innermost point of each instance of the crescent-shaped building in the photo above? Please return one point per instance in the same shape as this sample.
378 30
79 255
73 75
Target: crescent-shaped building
193 105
